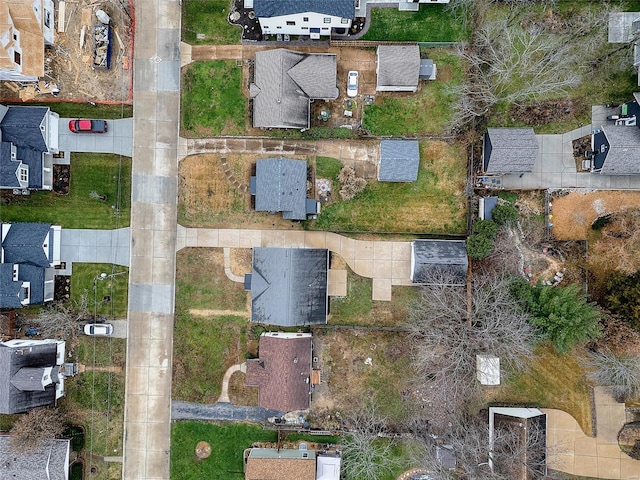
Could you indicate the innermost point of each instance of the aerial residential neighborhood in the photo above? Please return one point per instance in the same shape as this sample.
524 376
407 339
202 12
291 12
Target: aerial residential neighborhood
319 240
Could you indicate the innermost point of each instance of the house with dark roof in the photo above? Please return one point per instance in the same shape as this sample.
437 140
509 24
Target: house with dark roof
282 371
31 374
279 464
314 18
284 84
397 68
509 150
616 150
399 160
29 253
289 286
26 27
50 461
280 185
437 258
28 141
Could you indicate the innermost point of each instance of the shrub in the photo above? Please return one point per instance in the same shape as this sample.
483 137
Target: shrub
564 315
622 372
351 183
623 297
480 242
505 214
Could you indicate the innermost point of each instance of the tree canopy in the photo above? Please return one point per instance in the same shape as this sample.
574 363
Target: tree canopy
623 297
562 313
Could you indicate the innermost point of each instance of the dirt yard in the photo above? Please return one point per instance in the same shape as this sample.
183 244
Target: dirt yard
356 365
574 213
69 65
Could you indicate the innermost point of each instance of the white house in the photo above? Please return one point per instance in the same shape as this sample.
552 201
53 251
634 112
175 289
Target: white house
303 17
26 26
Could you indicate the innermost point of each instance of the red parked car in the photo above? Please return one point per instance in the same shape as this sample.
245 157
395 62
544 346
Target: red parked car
88 126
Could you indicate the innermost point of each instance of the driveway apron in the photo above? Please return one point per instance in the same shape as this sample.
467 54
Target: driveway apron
118 139
94 246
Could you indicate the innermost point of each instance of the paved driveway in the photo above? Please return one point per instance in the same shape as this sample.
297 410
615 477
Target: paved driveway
118 139
571 451
220 411
94 246
556 167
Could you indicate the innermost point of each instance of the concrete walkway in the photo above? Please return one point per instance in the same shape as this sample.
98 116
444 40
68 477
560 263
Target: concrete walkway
224 393
387 263
227 267
220 411
118 139
363 155
94 246
571 451
156 107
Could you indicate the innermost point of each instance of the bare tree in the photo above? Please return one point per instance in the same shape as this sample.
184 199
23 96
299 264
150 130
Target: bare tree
63 319
525 58
447 336
512 450
366 453
620 371
35 428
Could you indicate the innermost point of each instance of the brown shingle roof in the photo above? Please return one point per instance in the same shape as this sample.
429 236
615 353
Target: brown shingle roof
280 469
282 371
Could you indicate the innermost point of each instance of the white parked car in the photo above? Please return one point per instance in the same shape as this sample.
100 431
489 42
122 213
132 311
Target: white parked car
352 84
98 329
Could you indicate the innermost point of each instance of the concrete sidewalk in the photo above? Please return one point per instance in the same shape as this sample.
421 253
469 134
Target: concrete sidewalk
387 263
571 451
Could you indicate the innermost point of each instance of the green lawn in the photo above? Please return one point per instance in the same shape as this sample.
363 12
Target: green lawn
212 102
86 110
432 204
104 174
227 442
432 23
427 112
115 286
208 17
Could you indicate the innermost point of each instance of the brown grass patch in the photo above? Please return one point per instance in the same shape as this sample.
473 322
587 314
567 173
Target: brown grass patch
239 393
574 213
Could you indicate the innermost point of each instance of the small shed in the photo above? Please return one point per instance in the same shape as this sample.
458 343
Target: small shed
397 68
486 206
433 258
399 160
488 369
428 69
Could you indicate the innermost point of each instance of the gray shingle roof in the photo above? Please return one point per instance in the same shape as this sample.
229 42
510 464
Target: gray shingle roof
49 462
510 150
9 290
399 160
23 244
398 65
21 126
289 286
281 186
8 167
433 257
276 8
279 101
623 157
35 276
13 400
